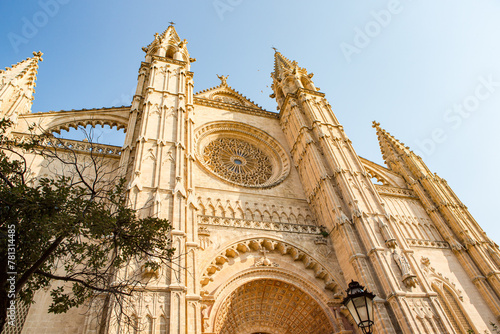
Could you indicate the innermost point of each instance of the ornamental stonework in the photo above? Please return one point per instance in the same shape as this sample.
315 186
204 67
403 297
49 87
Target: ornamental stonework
241 155
275 306
238 161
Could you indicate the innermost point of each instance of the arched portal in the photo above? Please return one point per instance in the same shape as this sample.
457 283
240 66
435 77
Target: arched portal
270 306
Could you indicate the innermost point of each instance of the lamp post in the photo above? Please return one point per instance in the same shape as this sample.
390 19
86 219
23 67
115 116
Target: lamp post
359 302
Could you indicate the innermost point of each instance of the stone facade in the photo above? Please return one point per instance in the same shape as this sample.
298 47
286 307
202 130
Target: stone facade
274 213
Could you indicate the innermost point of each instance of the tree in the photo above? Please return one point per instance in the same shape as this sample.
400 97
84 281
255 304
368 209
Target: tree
73 227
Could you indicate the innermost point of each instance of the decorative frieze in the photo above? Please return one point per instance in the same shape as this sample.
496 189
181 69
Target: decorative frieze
393 191
78 146
428 243
258 225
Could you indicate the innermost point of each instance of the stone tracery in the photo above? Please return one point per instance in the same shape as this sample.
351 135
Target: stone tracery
241 154
238 161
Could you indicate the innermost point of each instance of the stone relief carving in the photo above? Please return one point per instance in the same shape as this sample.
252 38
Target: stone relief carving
264 246
227 99
409 279
439 278
204 237
386 232
264 260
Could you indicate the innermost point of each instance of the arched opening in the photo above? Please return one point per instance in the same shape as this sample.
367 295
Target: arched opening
98 134
453 310
270 306
280 95
306 83
170 52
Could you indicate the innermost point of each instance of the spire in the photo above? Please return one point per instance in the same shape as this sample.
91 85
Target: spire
288 71
282 64
390 146
169 45
17 87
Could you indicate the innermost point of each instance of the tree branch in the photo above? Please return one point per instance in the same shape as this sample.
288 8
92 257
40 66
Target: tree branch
82 282
27 274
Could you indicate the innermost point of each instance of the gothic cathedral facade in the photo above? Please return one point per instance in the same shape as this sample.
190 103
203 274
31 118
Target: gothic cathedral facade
274 214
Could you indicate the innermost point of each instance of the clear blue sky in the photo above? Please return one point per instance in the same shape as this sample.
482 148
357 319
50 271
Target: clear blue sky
428 71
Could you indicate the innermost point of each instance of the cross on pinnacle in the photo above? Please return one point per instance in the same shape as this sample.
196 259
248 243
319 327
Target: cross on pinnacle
171 23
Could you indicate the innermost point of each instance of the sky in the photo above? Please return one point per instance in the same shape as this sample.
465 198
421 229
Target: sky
428 71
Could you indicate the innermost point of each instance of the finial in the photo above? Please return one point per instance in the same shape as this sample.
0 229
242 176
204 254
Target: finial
375 124
171 23
38 55
275 50
223 79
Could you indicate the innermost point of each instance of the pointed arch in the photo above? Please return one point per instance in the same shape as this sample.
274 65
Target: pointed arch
266 216
452 306
171 51
248 214
202 208
163 324
211 210
230 212
239 214
279 247
149 325
257 215
219 211
280 95
306 83
275 217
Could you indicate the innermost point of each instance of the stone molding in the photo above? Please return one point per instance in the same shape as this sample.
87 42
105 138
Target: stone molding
78 146
234 107
258 225
269 245
395 192
55 121
258 273
428 243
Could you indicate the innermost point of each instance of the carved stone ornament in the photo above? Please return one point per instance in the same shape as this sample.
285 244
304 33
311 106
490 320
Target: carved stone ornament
238 161
409 279
389 239
264 260
204 237
242 155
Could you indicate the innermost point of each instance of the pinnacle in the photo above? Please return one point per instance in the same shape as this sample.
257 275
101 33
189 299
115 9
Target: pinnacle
389 145
280 63
24 72
22 77
170 34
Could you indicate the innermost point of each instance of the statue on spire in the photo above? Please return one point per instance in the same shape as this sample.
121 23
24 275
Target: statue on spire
223 79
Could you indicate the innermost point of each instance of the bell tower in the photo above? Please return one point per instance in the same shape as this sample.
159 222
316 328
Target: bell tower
475 251
157 160
340 191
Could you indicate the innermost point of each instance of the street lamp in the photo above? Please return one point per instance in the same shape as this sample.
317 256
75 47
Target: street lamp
359 302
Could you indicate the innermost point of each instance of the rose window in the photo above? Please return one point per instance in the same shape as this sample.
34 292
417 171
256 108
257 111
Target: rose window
238 161
241 154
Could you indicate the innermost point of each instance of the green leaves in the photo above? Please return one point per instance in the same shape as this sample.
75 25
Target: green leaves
75 228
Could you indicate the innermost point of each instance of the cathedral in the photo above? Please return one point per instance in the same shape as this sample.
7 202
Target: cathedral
273 213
